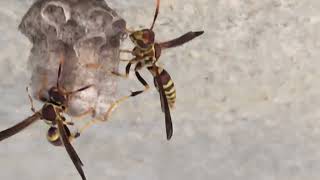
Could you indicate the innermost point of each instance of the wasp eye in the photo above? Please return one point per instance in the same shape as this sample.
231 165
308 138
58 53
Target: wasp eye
148 36
56 96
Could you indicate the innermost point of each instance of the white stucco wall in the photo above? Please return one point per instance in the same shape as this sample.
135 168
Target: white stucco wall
248 98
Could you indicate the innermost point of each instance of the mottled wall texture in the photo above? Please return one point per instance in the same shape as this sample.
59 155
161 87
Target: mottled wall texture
248 97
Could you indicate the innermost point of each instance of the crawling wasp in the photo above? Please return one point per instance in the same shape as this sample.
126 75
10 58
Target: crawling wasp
146 54
51 112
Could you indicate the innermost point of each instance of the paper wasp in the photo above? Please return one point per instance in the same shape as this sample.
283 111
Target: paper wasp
52 113
146 54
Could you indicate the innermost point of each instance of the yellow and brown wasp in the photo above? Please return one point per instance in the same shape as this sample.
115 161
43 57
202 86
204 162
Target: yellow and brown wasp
55 104
165 86
146 54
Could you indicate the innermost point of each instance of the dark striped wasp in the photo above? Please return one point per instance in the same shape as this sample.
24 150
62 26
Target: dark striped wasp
55 104
146 54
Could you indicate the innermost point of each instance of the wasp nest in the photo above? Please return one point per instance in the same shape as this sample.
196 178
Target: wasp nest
83 32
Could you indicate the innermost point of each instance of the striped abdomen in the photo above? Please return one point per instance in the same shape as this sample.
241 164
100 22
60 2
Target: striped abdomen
53 135
168 87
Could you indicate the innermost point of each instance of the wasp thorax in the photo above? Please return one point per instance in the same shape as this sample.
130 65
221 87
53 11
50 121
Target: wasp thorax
57 96
49 113
143 38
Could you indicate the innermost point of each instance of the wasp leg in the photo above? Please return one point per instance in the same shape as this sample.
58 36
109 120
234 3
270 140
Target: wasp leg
127 69
68 123
85 113
105 117
125 51
139 77
81 116
31 100
44 85
74 136
86 126
129 31
125 60
133 93
142 81
98 66
115 104
119 74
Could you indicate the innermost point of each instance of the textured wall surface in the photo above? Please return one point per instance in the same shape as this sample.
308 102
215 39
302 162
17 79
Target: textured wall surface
248 96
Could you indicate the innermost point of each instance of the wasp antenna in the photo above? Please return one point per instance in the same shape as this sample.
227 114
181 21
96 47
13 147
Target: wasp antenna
59 70
155 14
79 90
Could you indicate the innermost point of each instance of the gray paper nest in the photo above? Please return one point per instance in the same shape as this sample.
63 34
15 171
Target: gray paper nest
84 32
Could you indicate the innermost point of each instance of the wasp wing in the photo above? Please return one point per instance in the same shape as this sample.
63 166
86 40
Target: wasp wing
19 127
164 105
72 153
180 40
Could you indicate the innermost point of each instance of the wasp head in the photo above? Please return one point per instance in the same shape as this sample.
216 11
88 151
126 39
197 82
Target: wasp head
58 97
142 38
